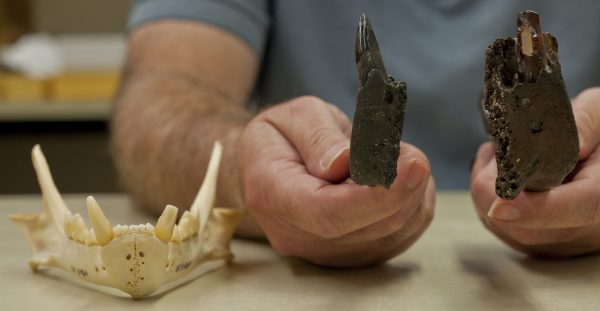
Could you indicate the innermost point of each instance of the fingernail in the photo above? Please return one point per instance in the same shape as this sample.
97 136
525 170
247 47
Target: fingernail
503 211
332 154
416 175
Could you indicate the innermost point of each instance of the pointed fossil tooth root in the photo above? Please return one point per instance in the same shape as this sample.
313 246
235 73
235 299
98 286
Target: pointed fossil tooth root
102 227
166 223
366 50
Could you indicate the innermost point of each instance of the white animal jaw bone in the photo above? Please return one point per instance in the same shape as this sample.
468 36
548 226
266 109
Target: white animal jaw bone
137 259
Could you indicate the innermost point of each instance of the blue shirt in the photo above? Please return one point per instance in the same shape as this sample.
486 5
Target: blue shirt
436 46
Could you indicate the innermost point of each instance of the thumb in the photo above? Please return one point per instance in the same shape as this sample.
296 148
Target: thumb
318 132
586 109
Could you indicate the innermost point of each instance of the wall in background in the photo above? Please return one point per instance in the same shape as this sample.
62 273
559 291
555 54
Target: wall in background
77 149
79 16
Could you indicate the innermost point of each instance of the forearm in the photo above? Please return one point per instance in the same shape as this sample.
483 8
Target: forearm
185 86
162 134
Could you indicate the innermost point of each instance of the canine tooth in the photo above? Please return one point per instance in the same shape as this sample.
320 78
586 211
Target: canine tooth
205 199
101 224
166 223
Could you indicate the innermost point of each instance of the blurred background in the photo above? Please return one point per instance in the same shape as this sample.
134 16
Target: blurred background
60 62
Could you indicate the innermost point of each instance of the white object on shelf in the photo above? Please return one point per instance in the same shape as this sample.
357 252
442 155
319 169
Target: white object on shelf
41 56
36 56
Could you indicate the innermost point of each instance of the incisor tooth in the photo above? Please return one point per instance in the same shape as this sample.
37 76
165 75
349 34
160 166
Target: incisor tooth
102 227
149 228
166 223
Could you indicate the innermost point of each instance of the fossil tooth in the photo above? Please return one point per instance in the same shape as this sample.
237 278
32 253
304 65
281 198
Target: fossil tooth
102 227
528 111
166 223
379 115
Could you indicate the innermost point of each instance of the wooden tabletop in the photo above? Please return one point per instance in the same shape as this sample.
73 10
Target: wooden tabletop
456 265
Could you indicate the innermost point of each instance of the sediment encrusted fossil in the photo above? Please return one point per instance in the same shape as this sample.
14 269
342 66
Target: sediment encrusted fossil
137 259
528 111
379 115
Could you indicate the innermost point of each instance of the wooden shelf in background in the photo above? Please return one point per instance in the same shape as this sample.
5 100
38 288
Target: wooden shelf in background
27 112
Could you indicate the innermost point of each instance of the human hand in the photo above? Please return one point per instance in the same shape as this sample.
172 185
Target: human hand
293 157
564 221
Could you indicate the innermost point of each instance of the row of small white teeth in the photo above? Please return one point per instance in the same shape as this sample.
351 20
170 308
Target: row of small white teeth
166 230
143 229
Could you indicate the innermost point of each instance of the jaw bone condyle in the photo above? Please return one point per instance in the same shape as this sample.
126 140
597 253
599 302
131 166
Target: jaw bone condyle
137 259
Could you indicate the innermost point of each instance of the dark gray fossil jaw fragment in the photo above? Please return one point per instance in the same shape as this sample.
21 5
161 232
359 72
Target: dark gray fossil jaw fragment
529 111
379 115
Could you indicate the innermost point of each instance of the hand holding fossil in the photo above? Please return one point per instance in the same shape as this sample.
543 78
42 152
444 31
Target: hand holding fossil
293 157
563 221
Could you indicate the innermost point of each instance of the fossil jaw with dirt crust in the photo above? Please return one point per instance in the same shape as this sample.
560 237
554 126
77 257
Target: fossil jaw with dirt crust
528 111
137 259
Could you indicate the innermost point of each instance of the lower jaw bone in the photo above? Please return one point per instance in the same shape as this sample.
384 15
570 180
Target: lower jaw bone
136 259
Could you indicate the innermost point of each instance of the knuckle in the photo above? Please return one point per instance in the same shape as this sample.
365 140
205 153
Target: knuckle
319 138
304 105
309 100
